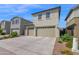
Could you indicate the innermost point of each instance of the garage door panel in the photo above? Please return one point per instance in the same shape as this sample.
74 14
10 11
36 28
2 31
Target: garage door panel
31 32
47 32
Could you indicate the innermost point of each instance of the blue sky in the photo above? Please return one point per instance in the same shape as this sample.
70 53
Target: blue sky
7 11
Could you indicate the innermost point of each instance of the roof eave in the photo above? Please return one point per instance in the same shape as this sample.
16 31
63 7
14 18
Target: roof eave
47 10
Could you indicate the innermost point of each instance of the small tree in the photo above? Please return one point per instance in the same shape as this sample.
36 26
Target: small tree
14 34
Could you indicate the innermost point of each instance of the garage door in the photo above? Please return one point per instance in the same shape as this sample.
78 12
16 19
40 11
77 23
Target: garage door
31 32
46 32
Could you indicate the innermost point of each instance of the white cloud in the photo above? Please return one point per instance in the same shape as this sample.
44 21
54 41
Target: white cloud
24 7
15 8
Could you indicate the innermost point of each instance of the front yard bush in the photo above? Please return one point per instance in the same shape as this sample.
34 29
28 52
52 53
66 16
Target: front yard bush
1 30
3 33
14 34
66 38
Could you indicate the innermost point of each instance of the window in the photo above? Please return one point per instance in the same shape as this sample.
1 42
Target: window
13 22
47 14
17 21
39 16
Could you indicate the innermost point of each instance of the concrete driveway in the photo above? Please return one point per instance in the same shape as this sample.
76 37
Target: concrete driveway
27 45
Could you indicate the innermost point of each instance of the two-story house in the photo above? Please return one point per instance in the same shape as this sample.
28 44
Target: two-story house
46 23
18 25
72 22
5 26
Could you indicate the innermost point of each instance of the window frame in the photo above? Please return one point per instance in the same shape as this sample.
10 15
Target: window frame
13 22
17 21
47 15
39 16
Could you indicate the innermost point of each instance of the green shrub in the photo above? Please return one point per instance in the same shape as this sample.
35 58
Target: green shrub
1 30
3 33
66 38
14 34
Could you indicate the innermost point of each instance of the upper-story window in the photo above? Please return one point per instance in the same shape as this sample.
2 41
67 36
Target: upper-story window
39 16
47 14
17 21
13 22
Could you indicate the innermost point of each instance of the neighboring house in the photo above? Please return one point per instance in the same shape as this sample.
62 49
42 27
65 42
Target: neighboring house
5 26
18 25
46 23
73 22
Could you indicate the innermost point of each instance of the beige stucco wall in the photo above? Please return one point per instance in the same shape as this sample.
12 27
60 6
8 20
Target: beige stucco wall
57 32
53 20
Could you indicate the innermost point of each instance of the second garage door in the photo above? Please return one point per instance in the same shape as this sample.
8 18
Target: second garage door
46 32
31 32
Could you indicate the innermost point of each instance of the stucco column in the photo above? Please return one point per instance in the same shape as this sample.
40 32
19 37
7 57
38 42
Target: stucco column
75 44
34 31
27 31
56 32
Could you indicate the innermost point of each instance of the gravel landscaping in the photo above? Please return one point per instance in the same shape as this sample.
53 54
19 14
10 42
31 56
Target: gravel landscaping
58 47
